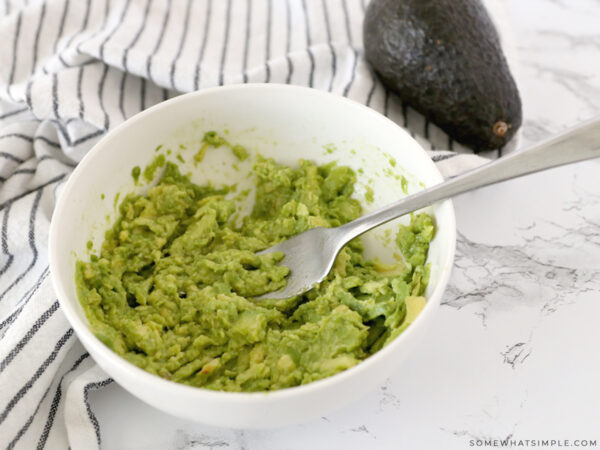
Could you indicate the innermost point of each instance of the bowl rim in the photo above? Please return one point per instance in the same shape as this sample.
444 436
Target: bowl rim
88 338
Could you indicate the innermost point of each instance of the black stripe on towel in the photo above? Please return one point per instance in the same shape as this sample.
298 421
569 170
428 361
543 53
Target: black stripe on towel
206 29
27 424
56 401
55 96
79 93
142 94
354 52
225 43
311 57
99 30
445 156
47 141
101 96
24 300
136 37
38 373
90 413
9 320
37 36
87 137
182 40
5 249
86 18
288 22
31 238
124 76
158 41
247 38
114 30
26 171
13 65
329 43
10 155
268 42
15 135
62 130
54 158
61 26
23 194
13 113
30 333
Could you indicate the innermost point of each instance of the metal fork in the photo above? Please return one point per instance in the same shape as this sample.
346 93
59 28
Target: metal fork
310 255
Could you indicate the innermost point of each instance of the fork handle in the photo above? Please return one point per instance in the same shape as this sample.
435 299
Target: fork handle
576 144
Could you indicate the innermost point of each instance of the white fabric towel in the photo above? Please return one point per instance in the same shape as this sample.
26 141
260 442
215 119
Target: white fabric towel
71 70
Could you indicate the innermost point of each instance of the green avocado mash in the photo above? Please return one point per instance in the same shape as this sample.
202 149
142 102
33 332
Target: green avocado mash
171 289
212 139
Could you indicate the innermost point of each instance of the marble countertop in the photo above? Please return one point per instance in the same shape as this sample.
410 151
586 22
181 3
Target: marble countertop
514 348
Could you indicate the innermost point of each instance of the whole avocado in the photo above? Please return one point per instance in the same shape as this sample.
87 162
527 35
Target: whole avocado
443 57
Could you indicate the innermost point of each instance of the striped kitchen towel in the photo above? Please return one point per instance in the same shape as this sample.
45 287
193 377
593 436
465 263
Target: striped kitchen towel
71 70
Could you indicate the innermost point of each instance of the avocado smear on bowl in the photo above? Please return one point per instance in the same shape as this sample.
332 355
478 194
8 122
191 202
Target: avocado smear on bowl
172 287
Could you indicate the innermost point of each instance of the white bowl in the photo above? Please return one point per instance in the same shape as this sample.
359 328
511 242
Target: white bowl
283 122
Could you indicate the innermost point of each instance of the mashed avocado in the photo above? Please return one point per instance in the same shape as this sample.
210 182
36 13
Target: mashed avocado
171 290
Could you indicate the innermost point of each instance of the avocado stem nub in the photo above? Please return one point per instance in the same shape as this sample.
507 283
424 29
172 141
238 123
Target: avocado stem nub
500 128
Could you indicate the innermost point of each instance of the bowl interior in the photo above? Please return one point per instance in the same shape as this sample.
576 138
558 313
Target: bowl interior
282 122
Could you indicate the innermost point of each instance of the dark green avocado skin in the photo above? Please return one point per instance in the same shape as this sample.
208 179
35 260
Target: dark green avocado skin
443 58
